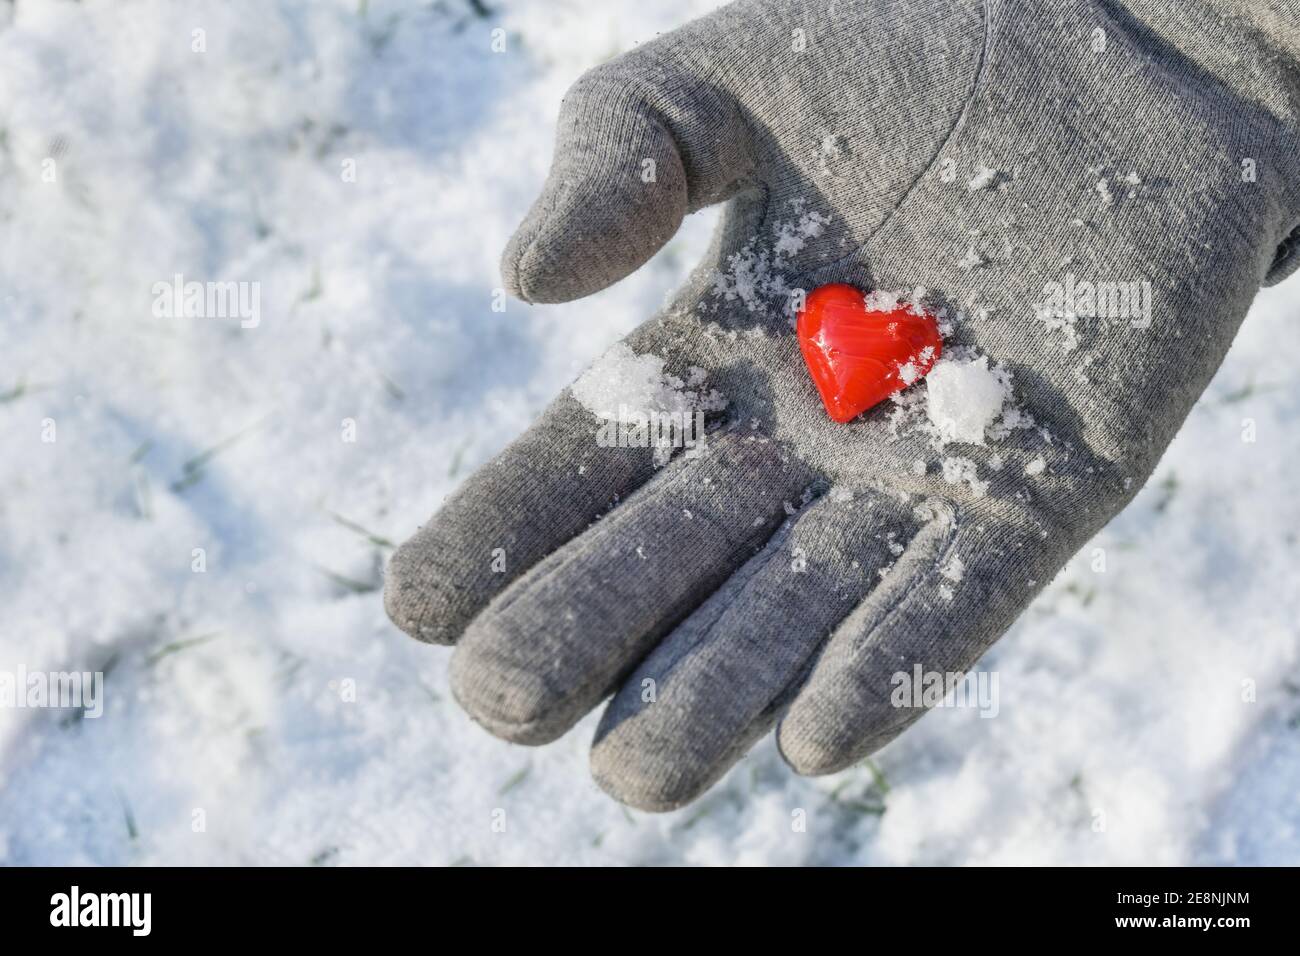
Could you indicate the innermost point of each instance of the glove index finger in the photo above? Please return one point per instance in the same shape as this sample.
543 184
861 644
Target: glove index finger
545 488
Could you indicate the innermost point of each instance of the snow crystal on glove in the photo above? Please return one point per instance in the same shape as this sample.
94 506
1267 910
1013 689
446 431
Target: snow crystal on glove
966 398
621 381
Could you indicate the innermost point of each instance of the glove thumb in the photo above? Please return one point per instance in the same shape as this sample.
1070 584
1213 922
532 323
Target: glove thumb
640 143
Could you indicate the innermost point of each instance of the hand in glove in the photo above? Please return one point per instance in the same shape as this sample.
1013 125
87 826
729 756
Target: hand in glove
1028 164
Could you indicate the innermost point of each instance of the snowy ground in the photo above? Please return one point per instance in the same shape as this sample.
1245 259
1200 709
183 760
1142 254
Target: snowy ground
1121 693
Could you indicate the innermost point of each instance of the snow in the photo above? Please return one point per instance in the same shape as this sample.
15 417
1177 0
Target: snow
881 300
792 236
972 260
984 178
620 381
965 398
265 711
756 275
959 470
652 407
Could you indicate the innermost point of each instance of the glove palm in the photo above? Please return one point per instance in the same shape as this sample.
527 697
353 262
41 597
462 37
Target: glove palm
997 157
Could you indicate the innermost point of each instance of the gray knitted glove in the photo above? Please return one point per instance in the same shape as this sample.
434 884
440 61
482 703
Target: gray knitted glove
1026 163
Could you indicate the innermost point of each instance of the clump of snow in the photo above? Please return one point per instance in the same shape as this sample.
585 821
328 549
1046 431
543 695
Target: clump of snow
984 177
958 470
1103 192
881 300
750 278
1036 466
832 150
916 299
965 398
947 323
973 259
636 390
910 371
793 235
954 569
620 381
1059 320
895 547
1128 182
756 274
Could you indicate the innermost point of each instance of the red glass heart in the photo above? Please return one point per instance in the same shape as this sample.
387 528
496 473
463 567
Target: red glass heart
859 356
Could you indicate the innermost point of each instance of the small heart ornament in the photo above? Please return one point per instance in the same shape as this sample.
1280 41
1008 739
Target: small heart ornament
859 355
